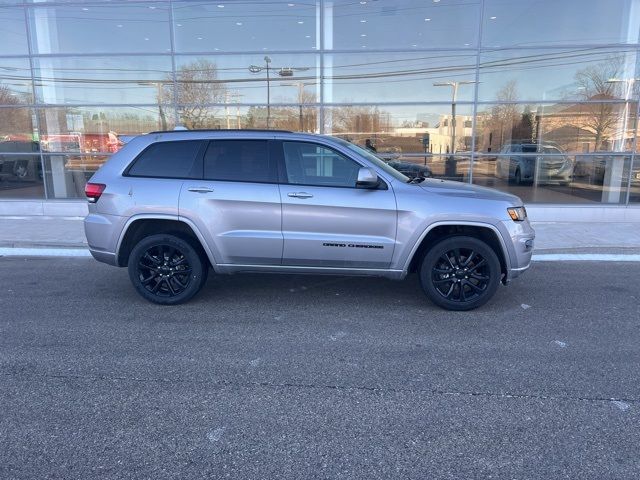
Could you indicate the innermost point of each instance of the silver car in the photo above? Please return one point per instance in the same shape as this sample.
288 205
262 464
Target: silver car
173 205
522 163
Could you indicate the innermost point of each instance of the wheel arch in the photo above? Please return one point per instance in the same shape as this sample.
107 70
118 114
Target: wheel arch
140 226
483 231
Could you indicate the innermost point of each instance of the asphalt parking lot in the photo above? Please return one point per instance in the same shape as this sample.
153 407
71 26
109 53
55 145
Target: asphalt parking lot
265 376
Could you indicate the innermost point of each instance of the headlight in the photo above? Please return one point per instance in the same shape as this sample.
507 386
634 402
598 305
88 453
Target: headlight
517 214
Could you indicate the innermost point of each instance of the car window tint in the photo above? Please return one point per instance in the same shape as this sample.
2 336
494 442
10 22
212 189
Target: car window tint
238 161
311 164
168 159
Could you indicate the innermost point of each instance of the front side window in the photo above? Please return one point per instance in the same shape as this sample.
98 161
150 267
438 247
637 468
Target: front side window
238 161
312 164
168 160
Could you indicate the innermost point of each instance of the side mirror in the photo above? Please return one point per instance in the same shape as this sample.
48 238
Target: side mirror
367 178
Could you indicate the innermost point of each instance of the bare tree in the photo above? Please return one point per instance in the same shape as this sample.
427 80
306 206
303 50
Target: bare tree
294 118
498 123
13 121
197 86
592 84
359 119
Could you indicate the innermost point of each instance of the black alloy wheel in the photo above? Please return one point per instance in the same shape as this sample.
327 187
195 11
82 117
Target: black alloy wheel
460 273
166 269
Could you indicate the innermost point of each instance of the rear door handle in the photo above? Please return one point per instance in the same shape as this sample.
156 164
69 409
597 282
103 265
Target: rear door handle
299 195
201 189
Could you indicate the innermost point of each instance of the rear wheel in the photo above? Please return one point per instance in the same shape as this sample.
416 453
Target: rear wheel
166 269
518 177
460 273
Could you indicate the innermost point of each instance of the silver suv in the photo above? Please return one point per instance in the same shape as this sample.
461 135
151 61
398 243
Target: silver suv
172 205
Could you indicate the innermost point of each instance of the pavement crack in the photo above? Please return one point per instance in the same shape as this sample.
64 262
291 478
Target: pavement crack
374 389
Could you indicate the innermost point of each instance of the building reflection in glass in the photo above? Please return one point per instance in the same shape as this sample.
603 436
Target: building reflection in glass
546 108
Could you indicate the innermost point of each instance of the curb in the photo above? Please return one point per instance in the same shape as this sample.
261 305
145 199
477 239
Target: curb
44 252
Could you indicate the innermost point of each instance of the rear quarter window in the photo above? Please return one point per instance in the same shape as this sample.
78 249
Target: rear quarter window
168 160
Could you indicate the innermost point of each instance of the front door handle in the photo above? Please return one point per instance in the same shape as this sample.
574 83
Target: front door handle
299 195
201 189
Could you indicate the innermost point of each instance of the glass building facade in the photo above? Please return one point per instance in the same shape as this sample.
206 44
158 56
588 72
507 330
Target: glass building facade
539 98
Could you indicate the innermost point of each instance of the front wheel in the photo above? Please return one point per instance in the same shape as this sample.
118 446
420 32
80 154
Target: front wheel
460 273
166 269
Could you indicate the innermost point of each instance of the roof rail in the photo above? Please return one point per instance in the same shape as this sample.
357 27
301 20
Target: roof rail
264 130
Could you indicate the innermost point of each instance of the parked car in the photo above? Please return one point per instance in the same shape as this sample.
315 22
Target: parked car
517 163
411 170
173 205
595 166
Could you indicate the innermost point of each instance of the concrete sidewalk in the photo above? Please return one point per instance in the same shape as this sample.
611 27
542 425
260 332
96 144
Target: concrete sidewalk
39 231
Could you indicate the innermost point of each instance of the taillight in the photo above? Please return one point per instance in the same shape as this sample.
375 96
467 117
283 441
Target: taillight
93 191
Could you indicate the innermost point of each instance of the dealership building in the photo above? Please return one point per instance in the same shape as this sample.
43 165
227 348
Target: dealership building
535 97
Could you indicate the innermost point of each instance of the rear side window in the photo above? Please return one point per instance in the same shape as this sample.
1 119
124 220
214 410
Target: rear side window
168 160
239 161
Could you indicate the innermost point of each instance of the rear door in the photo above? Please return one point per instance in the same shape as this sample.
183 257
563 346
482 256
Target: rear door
326 220
155 177
236 205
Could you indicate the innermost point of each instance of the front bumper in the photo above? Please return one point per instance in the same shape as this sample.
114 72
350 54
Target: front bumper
522 237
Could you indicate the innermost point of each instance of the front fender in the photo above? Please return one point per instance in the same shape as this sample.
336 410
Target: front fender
507 252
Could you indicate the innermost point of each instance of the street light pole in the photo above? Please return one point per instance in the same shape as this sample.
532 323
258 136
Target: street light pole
283 72
257 69
267 61
231 96
300 95
159 97
450 167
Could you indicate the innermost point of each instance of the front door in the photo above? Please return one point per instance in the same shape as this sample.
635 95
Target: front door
237 204
326 220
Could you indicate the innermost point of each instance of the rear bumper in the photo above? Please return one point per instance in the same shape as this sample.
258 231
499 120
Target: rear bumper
104 257
102 232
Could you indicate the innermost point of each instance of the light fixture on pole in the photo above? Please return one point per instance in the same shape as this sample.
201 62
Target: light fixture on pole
257 69
159 98
454 96
282 72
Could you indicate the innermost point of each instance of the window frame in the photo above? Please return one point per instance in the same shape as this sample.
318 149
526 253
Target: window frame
271 164
198 164
282 166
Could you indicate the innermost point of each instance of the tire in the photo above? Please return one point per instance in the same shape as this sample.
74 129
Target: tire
518 177
157 268
446 282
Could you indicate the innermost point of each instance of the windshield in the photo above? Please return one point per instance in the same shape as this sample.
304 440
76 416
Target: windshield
540 149
373 159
